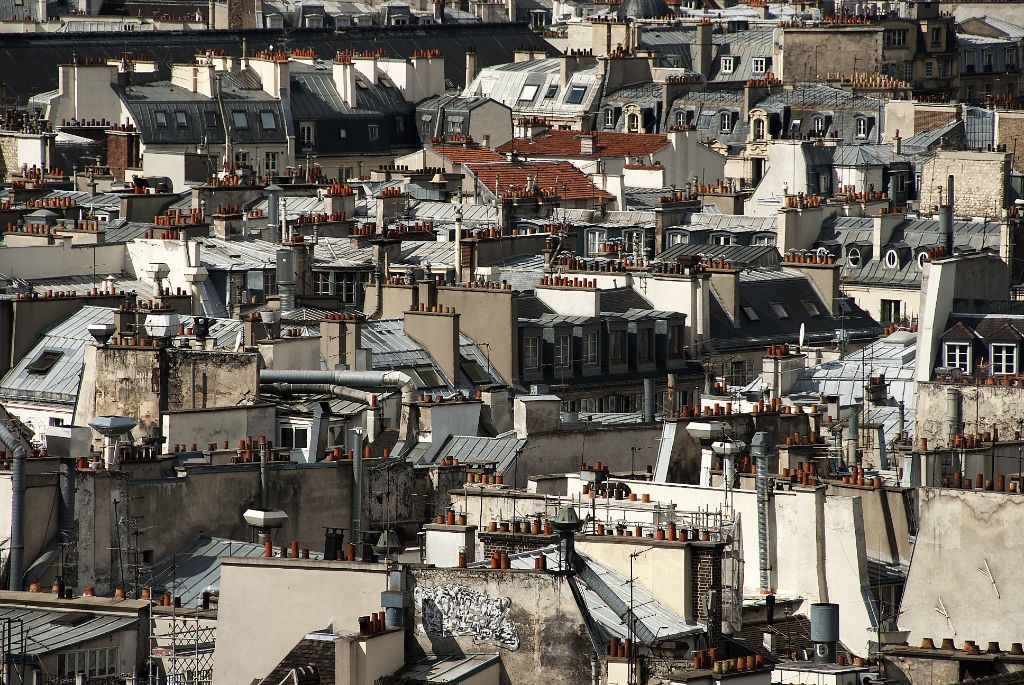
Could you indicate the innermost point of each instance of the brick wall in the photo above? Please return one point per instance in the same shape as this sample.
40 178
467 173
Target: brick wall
980 182
122 153
513 543
706 571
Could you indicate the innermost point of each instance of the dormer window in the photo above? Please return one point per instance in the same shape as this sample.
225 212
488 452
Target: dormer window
853 257
819 125
1004 358
892 259
609 118
633 123
728 65
862 127
760 65
725 122
759 129
957 355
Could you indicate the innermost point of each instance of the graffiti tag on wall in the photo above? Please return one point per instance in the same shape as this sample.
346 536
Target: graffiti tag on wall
455 610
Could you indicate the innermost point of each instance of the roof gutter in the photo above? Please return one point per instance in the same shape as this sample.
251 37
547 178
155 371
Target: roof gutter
17 555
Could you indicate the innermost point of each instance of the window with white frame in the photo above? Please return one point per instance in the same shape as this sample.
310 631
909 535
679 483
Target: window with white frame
270 162
590 348
892 259
728 65
609 118
677 238
680 118
563 346
633 123
760 65
957 355
853 257
722 239
528 93
758 129
306 134
531 352
725 121
819 124
595 238
295 437
1004 358
90 662
862 127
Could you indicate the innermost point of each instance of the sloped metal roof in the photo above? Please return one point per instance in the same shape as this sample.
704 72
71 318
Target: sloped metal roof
195 569
43 636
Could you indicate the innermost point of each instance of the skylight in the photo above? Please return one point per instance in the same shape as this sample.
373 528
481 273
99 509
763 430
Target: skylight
779 310
576 94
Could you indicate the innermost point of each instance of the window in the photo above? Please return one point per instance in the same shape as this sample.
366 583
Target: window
180 120
211 118
528 93
725 122
1011 58
91 662
575 95
728 65
812 309
322 282
552 91
242 158
758 129
929 68
896 38
819 124
161 119
958 355
680 118
751 314
44 362
892 259
779 310
862 127
399 125
722 239
853 257
595 237
1004 358
678 237
239 120
295 437
590 348
740 372
475 372
969 57
922 259
270 162
676 341
609 118
760 65
633 123
306 135
986 60
943 68
267 121
936 35
531 352
618 346
563 350
645 344
891 311
373 132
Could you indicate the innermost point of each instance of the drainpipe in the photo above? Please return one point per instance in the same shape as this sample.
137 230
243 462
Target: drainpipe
648 400
953 412
17 449
393 379
759 451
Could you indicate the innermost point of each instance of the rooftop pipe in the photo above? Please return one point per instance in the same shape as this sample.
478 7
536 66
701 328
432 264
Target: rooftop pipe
393 379
17 449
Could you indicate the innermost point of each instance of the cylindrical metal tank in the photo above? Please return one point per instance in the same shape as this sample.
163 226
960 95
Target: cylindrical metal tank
825 631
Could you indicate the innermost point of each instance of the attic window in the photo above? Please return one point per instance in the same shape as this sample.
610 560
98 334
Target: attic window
475 372
751 314
728 65
429 375
267 121
853 257
811 308
892 259
44 362
576 94
161 119
760 65
73 618
240 121
551 92
180 120
211 119
528 93
779 310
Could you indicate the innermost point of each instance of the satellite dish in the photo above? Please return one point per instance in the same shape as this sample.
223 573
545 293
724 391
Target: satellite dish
803 332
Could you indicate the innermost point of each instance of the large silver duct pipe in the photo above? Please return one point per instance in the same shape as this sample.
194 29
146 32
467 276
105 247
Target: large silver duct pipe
648 400
392 379
17 558
759 451
317 389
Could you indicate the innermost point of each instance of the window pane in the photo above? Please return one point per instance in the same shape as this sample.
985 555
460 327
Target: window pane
240 120
301 438
267 121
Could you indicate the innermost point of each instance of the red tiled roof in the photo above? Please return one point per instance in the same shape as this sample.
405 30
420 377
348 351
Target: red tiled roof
606 144
559 178
460 154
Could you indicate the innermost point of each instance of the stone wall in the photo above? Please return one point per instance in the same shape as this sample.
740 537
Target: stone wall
981 180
